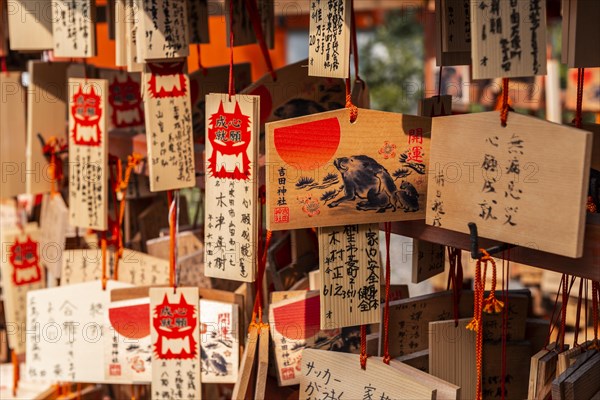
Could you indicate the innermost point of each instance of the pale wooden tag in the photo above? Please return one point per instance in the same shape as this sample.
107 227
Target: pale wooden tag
296 94
327 374
22 271
230 222
88 153
579 26
74 28
428 260
220 343
121 33
132 32
324 170
127 346
444 390
66 342
54 225
46 108
190 258
168 118
13 132
329 39
263 363
453 32
350 273
197 11
30 25
125 107
247 365
82 265
508 38
175 343
165 29
505 182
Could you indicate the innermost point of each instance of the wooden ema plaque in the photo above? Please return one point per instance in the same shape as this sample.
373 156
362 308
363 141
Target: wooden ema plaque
505 180
74 28
329 39
230 233
125 106
163 29
169 135
30 25
323 171
22 271
13 133
453 32
579 26
175 340
350 275
88 153
46 108
243 28
331 375
508 38
197 11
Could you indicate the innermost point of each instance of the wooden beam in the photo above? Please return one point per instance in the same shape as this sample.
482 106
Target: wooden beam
583 267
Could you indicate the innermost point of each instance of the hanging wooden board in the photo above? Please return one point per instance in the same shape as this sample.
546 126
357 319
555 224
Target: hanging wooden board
579 23
230 221
213 80
240 389
30 25
444 390
132 32
13 132
169 133
505 180
458 50
585 381
321 170
88 153
452 355
82 265
74 28
46 111
350 268
120 33
70 345
220 343
175 340
517 359
296 94
409 319
508 38
428 260
329 39
127 347
54 225
263 363
327 374
197 11
125 107
165 29
558 384
22 270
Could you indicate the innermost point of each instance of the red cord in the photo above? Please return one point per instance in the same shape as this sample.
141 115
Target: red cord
578 112
386 309
258 31
262 262
578 315
505 283
231 21
505 106
363 347
4 68
353 109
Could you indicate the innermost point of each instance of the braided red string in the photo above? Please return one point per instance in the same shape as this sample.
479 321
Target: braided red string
363 347
386 309
505 106
231 22
578 112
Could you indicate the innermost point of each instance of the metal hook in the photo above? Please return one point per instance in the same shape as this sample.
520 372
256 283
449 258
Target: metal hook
475 253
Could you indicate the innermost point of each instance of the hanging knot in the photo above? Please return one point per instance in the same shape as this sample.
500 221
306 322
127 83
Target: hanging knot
353 109
505 106
492 305
591 206
387 359
473 325
363 361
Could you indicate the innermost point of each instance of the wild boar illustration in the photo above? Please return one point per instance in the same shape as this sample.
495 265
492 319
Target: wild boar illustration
365 178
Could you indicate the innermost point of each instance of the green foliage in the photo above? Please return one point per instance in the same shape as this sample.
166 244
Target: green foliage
392 62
